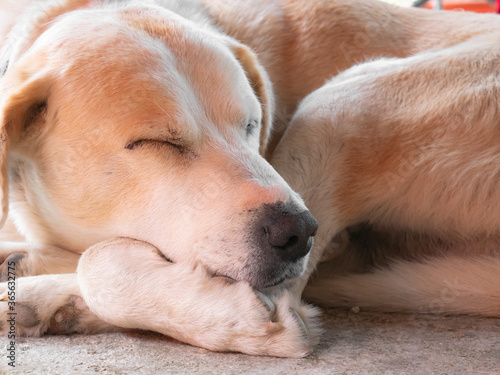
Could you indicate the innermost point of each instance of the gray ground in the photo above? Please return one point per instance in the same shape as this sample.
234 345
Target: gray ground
363 343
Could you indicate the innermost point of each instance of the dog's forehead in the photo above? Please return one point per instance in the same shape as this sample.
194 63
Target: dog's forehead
203 59
166 72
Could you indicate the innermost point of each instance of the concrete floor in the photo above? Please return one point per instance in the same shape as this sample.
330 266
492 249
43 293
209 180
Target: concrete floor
363 343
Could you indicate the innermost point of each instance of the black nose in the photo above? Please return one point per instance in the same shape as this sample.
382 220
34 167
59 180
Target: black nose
290 233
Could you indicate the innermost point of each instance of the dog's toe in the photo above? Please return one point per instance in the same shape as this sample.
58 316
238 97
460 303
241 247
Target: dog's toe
266 301
67 319
301 328
26 315
10 266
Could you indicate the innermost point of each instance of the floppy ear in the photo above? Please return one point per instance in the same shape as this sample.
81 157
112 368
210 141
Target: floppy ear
20 104
34 18
261 84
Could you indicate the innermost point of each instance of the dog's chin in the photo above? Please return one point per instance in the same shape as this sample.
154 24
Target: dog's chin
280 282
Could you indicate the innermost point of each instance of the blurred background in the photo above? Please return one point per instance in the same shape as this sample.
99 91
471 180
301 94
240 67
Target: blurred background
482 6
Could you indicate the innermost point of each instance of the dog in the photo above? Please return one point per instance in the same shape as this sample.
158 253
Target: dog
179 156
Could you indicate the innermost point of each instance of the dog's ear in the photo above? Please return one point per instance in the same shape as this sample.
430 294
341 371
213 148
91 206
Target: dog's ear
23 98
28 24
261 85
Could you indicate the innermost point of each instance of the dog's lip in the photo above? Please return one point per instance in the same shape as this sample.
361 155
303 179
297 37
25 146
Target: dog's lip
271 284
287 277
276 282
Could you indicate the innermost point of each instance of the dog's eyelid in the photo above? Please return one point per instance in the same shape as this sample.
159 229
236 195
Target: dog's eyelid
251 126
171 142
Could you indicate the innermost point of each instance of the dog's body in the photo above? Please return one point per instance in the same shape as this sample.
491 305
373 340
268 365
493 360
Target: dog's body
145 121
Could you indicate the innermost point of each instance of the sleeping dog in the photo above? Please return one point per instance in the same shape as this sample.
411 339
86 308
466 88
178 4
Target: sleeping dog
189 149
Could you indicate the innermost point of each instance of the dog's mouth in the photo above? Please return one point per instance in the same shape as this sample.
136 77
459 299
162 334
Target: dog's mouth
284 281
276 282
265 279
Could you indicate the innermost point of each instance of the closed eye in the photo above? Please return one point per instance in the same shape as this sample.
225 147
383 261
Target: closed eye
250 127
156 143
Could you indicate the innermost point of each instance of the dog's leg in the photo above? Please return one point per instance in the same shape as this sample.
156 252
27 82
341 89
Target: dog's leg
306 158
46 304
30 260
448 284
410 144
129 284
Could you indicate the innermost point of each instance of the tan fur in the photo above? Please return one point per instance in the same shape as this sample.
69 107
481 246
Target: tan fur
417 166
384 122
262 87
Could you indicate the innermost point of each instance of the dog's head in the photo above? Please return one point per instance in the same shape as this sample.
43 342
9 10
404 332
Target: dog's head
136 122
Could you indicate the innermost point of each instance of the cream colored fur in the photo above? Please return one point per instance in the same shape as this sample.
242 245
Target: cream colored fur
418 166
395 156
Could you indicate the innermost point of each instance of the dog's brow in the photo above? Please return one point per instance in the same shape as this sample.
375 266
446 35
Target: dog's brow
162 130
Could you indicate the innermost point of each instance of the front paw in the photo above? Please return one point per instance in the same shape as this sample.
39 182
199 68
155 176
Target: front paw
188 303
42 304
306 315
298 328
12 265
277 326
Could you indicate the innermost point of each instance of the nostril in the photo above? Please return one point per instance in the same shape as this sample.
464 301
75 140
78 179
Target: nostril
292 241
288 231
284 231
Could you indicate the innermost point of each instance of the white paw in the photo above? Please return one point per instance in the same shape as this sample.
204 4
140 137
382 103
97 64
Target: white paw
126 283
296 328
274 326
19 306
12 264
43 304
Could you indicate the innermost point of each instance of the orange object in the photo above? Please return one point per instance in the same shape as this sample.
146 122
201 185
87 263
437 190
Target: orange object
469 6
